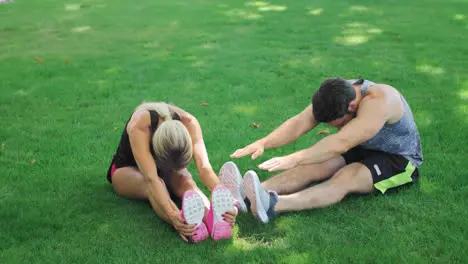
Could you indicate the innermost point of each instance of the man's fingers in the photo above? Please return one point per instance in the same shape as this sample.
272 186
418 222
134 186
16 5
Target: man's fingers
274 168
268 164
257 153
238 153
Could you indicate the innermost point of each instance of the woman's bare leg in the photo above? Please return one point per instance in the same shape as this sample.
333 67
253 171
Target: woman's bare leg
129 182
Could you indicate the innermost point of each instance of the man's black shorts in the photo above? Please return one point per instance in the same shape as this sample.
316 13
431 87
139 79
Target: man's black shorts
388 170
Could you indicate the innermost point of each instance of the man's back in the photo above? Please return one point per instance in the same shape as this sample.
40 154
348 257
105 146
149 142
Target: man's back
400 134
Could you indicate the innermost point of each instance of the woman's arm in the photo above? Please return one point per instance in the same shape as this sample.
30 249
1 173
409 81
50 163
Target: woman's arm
139 133
200 155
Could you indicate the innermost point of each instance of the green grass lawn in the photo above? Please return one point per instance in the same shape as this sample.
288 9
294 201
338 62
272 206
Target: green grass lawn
72 72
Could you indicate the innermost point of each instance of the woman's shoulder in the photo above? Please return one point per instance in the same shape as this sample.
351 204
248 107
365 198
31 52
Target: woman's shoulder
140 119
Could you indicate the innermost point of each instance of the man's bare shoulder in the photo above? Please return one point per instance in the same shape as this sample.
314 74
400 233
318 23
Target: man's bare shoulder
385 98
382 91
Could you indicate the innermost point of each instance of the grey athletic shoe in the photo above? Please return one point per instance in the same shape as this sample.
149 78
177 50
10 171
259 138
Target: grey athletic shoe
262 202
231 177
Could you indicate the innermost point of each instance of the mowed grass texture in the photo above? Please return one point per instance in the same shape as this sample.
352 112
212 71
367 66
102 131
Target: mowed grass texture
72 72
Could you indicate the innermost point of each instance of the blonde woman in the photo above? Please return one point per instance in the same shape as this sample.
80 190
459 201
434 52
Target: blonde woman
156 146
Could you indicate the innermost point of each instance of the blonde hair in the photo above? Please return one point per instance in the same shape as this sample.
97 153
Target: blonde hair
172 143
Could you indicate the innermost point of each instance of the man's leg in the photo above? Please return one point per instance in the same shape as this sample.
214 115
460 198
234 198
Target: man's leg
298 178
353 178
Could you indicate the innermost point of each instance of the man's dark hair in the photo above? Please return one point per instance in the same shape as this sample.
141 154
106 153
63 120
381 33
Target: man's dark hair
332 99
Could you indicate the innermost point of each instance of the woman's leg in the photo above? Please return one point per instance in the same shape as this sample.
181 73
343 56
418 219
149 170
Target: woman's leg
182 181
129 182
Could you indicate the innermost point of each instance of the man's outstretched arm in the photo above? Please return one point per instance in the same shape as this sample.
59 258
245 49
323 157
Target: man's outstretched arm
288 132
372 115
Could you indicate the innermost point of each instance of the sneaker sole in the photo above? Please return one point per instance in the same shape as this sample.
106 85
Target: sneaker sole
233 183
194 210
222 202
252 189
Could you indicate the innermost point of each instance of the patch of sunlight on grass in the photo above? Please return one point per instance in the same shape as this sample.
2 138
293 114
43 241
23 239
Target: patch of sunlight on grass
73 16
104 228
356 33
428 187
209 46
101 83
222 5
272 8
463 94
112 70
358 8
293 63
191 85
161 54
241 29
199 63
257 3
352 40
316 12
459 17
426 68
374 31
463 111
424 118
243 14
151 44
72 7
21 92
316 60
191 58
81 29
299 258
243 246
356 25
245 109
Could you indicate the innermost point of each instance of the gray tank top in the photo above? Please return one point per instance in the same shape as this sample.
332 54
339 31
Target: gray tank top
400 138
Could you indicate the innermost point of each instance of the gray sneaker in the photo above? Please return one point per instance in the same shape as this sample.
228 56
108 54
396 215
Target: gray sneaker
262 202
231 177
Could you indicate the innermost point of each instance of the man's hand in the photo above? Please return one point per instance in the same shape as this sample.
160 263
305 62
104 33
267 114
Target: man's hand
257 148
180 226
279 163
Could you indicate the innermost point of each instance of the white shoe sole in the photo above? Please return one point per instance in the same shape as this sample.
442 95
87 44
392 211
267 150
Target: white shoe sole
252 189
230 177
193 208
222 202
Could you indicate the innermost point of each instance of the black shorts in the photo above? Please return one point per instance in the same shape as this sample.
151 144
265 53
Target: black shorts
388 170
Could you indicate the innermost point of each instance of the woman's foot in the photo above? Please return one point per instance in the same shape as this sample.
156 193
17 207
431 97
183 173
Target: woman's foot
221 202
193 211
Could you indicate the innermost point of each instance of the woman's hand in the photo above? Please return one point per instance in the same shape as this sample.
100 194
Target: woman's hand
184 230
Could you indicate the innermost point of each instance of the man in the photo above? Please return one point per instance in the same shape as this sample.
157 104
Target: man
377 147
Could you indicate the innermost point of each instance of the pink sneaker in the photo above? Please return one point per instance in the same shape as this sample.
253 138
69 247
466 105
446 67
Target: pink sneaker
193 211
221 202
